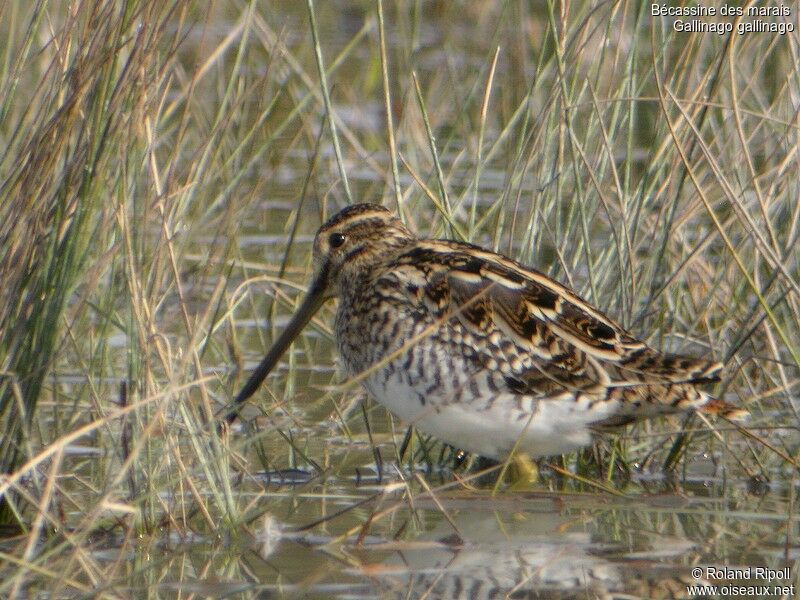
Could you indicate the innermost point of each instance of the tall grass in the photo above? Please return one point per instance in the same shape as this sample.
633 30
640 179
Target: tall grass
67 108
146 145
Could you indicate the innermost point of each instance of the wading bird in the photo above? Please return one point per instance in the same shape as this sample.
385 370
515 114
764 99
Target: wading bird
478 350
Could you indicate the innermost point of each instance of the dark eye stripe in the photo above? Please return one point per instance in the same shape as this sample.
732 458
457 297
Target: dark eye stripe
355 252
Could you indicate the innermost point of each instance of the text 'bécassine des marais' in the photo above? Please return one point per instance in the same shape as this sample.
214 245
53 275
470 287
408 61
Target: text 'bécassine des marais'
752 21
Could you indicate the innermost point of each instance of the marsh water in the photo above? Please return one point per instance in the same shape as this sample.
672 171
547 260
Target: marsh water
343 532
333 499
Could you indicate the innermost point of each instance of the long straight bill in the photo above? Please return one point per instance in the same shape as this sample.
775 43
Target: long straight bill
311 303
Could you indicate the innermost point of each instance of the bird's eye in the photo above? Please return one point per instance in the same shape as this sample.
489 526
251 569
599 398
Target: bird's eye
336 240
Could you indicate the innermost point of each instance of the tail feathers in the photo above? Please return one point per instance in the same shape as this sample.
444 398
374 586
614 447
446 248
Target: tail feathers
720 408
672 368
704 371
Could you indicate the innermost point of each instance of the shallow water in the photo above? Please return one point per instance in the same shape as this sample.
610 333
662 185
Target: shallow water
324 508
335 539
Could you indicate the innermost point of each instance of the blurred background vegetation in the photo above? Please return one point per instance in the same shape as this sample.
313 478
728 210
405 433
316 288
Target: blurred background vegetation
163 168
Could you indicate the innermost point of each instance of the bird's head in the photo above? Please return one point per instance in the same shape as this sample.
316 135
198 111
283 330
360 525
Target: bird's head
354 238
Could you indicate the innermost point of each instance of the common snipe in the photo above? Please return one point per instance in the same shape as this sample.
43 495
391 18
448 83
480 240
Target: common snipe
478 350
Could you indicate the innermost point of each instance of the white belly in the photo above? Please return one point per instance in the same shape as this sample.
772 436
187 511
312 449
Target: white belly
494 426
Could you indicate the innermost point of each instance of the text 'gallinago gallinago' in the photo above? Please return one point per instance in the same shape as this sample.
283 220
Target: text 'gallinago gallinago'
478 350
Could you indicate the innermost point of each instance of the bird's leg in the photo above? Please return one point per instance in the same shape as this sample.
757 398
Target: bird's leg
523 472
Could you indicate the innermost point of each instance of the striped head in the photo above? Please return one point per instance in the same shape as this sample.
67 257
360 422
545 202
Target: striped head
358 235
353 238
